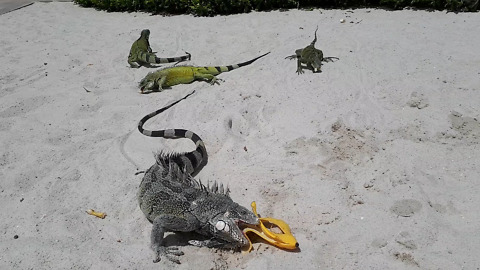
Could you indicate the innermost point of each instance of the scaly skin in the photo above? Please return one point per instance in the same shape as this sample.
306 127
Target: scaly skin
172 200
157 81
141 53
311 57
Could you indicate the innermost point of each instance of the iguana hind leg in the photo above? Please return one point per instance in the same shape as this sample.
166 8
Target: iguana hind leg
207 77
132 61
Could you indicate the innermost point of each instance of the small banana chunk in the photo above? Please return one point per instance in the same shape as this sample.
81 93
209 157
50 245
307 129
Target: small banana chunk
97 214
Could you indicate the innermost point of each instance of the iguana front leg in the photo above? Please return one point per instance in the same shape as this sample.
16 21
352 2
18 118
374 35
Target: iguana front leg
298 56
158 231
299 66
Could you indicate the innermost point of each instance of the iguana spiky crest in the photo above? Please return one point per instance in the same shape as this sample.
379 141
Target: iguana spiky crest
173 200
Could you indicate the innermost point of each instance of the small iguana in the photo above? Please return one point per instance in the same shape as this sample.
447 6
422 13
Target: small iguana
173 200
311 57
171 76
141 53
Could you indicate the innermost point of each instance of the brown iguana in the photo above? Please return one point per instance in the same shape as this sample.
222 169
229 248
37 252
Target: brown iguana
311 57
170 76
141 53
172 200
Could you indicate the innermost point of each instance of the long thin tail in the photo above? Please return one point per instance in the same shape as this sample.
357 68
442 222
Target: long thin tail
152 59
194 161
221 69
315 39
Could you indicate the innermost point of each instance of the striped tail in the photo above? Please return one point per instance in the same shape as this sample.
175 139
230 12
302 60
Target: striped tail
315 39
152 59
221 69
192 162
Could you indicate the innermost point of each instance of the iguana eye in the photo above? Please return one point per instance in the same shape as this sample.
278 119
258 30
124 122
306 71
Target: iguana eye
222 226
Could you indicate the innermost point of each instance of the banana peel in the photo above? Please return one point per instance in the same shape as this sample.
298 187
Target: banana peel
284 240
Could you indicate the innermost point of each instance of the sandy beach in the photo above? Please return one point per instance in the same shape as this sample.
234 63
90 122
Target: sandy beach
374 162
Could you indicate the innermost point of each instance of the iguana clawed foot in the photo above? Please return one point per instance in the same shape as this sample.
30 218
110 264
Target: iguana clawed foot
216 80
291 57
171 253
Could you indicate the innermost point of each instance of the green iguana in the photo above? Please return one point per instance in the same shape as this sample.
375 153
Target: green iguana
172 200
141 53
171 76
311 57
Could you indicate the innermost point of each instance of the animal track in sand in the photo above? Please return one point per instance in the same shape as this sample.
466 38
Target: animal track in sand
25 106
341 144
406 208
468 127
417 101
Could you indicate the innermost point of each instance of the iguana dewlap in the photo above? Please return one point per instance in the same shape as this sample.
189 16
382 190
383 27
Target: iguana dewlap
283 240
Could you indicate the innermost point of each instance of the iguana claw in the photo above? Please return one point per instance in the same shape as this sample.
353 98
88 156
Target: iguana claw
172 253
216 80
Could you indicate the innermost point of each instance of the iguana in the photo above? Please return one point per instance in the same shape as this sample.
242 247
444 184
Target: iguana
311 57
173 200
141 53
171 76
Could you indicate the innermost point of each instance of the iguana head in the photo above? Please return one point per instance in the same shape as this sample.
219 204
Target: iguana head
317 61
228 226
145 34
148 83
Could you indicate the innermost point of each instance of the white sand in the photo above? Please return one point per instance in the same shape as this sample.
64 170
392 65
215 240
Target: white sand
374 162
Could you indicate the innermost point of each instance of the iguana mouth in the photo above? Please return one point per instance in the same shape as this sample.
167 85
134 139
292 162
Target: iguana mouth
243 224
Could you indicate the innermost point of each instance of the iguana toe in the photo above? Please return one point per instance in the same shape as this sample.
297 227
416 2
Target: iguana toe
215 81
171 253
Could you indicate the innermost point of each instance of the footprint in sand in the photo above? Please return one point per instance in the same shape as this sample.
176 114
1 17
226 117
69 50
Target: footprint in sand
417 101
406 208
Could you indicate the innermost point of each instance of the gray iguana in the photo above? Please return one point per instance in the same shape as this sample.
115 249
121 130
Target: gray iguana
172 200
311 57
141 53
171 76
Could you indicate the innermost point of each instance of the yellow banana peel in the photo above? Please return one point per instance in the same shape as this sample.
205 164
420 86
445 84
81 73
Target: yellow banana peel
283 240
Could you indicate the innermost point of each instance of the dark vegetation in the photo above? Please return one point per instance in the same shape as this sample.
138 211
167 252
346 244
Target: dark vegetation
224 7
